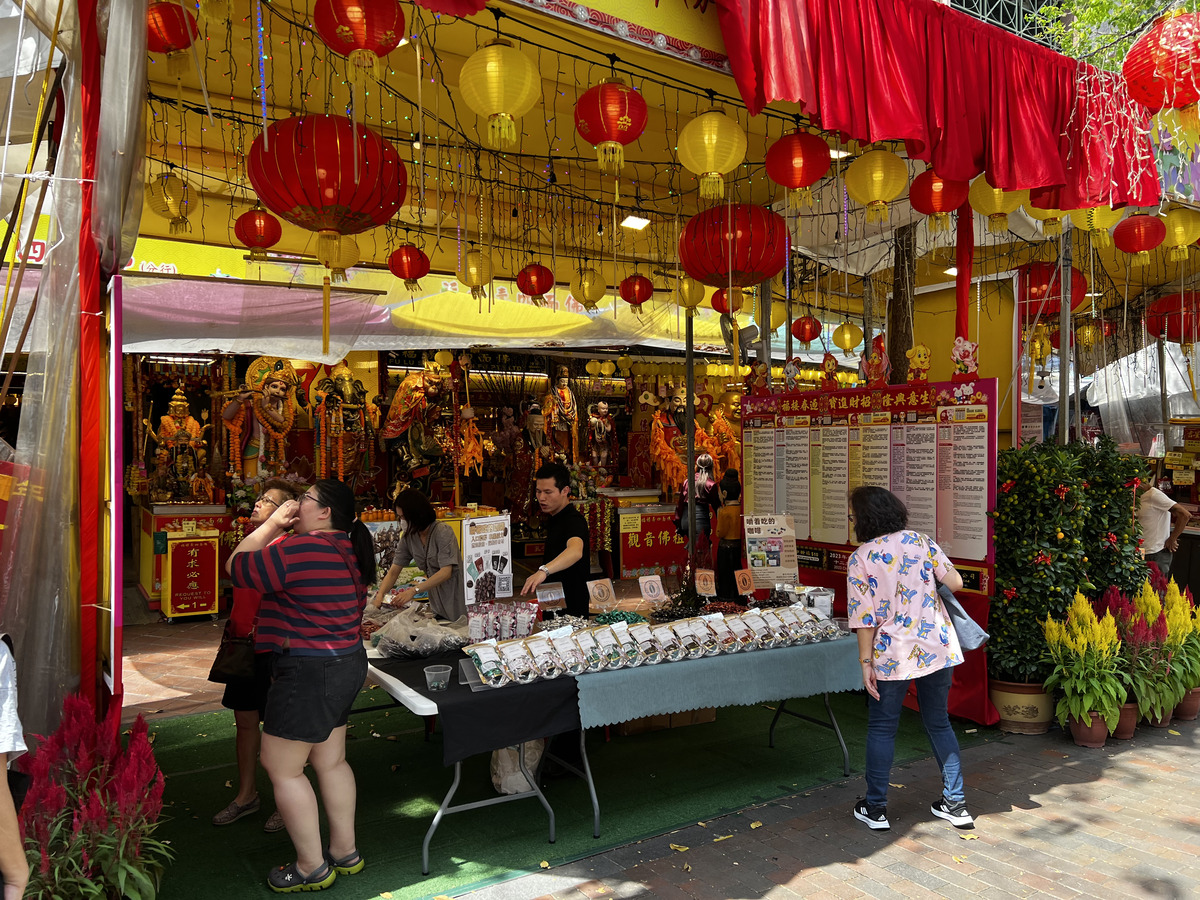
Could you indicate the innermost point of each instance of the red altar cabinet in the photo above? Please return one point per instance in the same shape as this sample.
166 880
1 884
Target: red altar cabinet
648 543
158 523
189 573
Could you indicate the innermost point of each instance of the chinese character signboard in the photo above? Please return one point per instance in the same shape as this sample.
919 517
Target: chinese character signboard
190 574
653 547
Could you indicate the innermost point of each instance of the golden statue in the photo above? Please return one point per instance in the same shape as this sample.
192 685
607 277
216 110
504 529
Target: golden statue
261 448
346 422
562 418
179 434
725 420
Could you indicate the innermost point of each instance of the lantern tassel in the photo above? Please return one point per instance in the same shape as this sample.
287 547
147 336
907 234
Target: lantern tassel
712 186
1178 254
939 222
364 66
180 224
502 131
1187 358
327 244
177 64
800 198
1141 259
337 275
412 284
877 212
325 318
611 157
998 222
1102 238
258 254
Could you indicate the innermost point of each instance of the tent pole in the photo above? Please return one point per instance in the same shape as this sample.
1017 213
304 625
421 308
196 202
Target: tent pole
690 416
1064 339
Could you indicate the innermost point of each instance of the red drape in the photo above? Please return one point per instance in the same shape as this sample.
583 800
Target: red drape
966 96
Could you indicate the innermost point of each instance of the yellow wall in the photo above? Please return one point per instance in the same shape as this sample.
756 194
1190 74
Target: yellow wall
673 17
933 325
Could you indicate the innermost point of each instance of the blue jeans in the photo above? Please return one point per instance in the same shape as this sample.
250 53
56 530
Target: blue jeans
883 718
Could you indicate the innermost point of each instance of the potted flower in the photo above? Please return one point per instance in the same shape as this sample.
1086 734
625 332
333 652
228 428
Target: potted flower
1085 653
89 818
1183 649
1142 627
1111 534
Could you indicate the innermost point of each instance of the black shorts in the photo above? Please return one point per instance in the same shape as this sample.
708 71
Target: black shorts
250 693
312 695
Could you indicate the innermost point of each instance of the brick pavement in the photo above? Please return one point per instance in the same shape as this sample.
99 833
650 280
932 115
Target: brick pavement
1052 819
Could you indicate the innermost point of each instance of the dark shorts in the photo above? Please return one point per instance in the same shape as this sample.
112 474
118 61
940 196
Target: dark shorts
250 693
312 695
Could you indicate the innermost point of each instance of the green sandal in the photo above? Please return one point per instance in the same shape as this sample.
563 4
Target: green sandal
351 864
288 880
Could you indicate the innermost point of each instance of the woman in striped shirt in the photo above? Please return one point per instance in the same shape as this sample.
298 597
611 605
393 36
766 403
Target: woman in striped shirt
314 587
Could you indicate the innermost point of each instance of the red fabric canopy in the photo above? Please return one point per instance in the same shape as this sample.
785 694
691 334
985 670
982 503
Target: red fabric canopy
966 96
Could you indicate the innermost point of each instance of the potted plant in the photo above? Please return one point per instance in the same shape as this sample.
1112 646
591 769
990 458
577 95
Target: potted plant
1111 534
1183 647
1085 653
89 818
1142 627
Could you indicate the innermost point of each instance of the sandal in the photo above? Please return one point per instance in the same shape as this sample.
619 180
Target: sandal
288 880
233 812
274 823
350 864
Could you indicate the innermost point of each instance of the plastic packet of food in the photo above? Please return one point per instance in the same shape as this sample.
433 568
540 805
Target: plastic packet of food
487 663
568 650
651 651
747 638
726 639
476 625
706 637
762 631
524 622
610 647
629 645
593 655
506 624
518 661
545 657
672 650
692 647
784 635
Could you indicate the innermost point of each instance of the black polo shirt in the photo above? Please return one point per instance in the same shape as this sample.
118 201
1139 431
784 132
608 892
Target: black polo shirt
560 528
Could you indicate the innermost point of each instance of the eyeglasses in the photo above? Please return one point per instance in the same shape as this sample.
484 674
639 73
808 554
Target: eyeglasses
304 497
267 500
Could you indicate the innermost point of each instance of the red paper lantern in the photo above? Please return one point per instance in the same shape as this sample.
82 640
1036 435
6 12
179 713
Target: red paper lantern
409 262
1039 292
171 29
1162 68
305 174
739 245
932 195
1175 317
535 280
610 116
636 290
1139 235
724 303
797 161
258 230
806 329
364 31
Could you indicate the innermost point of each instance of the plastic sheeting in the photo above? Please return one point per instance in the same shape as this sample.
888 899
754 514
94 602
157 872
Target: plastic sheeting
1128 395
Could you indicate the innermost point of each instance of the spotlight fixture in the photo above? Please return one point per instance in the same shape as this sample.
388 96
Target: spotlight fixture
637 223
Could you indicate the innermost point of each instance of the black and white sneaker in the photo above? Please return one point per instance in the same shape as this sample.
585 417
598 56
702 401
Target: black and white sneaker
954 813
875 819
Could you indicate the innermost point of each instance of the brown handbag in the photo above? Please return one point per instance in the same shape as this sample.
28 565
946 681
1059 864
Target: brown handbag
235 659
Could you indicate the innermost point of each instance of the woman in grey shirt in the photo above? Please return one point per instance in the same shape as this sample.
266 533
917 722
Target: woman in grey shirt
429 545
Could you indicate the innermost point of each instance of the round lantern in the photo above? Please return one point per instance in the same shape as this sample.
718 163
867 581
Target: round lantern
994 203
1176 318
169 196
711 146
1162 68
937 197
607 368
727 302
444 358
259 230
689 294
363 31
1138 235
1039 292
592 367
475 272
500 83
778 315
342 256
739 245
874 180
625 363
1097 221
327 174
1051 219
1183 228
796 162
536 281
1088 335
847 336
806 329
610 116
588 287
636 290
409 263
170 29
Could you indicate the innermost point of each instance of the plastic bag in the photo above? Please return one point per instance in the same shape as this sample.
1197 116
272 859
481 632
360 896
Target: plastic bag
506 770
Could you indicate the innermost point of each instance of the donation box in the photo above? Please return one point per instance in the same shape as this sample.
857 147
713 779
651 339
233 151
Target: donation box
189 575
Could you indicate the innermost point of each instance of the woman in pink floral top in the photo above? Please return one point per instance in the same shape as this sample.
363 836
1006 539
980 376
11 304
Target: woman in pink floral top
904 635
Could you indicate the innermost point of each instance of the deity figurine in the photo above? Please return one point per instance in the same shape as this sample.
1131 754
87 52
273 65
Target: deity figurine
346 421
530 451
261 448
725 421
562 418
874 364
180 434
411 423
602 438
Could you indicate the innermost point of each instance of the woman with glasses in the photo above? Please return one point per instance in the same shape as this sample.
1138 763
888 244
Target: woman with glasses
247 697
314 589
904 636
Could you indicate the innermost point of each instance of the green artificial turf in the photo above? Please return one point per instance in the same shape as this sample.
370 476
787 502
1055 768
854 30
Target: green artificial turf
647 785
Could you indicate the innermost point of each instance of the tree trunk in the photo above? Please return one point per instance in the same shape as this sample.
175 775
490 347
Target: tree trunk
900 306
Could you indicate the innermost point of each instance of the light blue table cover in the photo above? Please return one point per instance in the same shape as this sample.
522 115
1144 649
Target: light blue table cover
735 679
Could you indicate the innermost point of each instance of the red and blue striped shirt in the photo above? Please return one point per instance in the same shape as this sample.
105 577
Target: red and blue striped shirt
310 606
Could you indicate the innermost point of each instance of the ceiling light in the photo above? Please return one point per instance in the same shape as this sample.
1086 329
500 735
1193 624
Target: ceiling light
403 42
637 223
838 154
953 270
1094 294
416 145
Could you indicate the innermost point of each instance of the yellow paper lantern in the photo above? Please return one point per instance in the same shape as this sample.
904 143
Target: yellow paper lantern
847 336
711 146
1040 347
338 256
875 179
501 83
638 368
778 314
625 363
700 370
689 294
1183 230
995 204
169 196
1051 219
1088 335
588 287
1098 221
476 272
443 358
592 367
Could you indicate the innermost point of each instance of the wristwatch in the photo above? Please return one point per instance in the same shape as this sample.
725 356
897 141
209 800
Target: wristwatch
544 569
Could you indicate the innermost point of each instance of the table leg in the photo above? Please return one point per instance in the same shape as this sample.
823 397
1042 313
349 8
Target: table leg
437 818
536 790
587 776
837 731
831 724
779 711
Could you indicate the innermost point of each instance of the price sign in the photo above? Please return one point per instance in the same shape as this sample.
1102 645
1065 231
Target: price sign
706 582
189 526
745 581
652 589
601 593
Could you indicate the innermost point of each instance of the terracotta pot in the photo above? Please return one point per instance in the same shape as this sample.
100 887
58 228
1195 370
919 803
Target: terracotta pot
1127 724
1088 735
1189 707
1023 708
1164 722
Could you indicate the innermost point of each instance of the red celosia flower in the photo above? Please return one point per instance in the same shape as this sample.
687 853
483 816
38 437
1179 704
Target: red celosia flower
1008 486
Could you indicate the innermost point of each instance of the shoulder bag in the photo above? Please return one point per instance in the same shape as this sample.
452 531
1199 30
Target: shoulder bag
235 659
970 635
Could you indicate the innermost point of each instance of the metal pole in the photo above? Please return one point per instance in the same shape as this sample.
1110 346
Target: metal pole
764 326
1164 408
1064 337
690 414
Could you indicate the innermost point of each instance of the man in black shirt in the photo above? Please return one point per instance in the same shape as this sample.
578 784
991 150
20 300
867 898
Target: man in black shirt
567 557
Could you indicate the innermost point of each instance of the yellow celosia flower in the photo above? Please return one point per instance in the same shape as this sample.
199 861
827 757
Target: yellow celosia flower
1147 603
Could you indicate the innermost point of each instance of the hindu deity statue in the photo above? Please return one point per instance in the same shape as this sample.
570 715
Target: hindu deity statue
411 424
725 423
602 437
530 451
259 419
562 418
179 434
346 421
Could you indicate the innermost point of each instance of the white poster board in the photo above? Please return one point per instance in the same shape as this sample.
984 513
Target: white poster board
487 558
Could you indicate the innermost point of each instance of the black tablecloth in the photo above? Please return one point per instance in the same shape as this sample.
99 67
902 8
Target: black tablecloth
481 721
